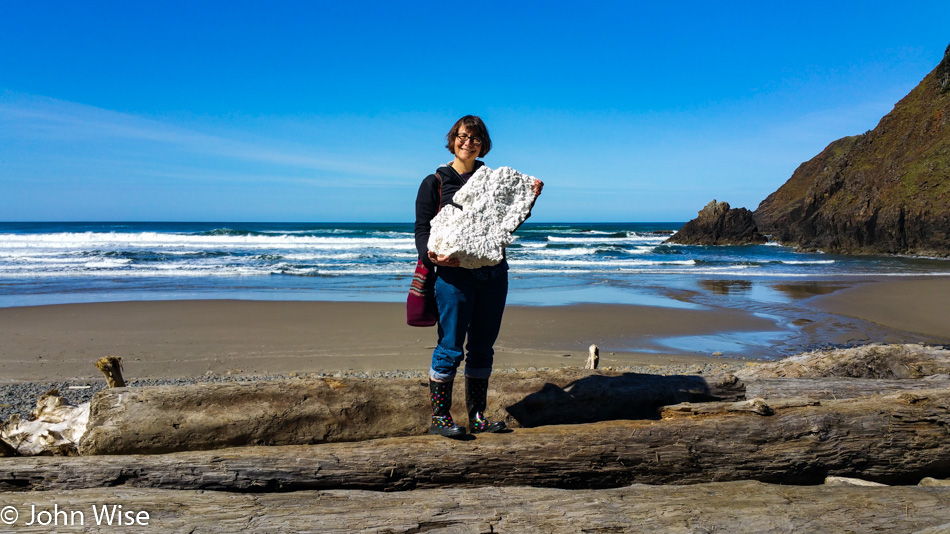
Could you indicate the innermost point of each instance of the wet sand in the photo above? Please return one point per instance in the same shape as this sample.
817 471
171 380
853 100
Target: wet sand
176 339
920 305
171 339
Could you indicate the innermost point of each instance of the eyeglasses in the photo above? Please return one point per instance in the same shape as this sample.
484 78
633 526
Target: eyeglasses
464 138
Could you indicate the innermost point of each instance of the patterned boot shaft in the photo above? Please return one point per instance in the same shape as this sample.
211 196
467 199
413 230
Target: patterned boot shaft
476 400
440 394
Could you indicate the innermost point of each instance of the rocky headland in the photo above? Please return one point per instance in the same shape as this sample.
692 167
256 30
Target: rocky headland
884 191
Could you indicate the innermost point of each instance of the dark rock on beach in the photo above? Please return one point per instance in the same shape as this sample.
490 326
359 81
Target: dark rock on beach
717 224
884 191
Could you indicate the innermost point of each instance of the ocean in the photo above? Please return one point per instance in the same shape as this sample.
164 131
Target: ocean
551 264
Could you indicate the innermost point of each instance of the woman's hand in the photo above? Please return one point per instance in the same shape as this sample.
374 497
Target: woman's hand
538 185
444 261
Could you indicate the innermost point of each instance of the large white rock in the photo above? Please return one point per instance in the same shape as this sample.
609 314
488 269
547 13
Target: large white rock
494 203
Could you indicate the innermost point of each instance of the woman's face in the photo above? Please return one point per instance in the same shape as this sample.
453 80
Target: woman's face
467 150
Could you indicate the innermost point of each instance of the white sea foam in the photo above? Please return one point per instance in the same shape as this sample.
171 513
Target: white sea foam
107 264
323 256
152 240
603 240
372 261
641 250
601 263
564 251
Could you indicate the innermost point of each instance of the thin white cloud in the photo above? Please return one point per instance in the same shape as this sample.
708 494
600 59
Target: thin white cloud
37 118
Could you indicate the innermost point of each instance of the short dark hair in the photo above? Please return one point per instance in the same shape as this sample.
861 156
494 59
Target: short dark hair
476 127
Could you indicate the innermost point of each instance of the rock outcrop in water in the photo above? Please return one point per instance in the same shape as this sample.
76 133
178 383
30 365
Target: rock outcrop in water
885 191
717 224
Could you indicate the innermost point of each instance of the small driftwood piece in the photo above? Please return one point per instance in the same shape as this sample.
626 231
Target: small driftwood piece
292 412
593 359
733 507
111 366
891 439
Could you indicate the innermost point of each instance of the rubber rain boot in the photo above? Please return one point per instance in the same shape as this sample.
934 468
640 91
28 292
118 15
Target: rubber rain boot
442 424
476 399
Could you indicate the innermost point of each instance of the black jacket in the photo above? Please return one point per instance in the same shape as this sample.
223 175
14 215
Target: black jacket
428 203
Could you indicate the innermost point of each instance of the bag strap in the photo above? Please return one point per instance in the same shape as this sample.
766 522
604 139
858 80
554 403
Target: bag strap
438 203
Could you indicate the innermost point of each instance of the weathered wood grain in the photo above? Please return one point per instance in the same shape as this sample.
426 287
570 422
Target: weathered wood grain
896 361
836 388
304 411
734 507
893 439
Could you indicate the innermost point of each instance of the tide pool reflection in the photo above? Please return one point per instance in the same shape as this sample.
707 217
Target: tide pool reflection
725 287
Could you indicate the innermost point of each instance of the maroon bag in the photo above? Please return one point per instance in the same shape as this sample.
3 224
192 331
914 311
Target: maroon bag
421 309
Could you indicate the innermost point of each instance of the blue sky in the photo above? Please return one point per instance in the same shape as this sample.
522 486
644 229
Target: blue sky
320 111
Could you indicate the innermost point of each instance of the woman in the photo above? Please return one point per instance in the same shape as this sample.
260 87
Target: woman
470 301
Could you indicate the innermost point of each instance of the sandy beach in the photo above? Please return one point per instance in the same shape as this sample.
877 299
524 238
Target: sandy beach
171 339
188 338
916 305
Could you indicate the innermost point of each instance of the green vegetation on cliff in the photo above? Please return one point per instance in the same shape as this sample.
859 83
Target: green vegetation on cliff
886 191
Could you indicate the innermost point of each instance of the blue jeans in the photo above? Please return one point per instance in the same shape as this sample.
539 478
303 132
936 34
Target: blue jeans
471 302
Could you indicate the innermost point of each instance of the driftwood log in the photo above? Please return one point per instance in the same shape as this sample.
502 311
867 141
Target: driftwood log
306 411
869 361
734 507
836 388
297 412
892 439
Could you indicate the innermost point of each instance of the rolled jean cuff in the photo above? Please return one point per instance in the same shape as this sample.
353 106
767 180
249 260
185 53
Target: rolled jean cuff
441 377
481 372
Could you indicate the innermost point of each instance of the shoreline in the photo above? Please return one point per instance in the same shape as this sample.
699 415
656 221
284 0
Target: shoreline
189 338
